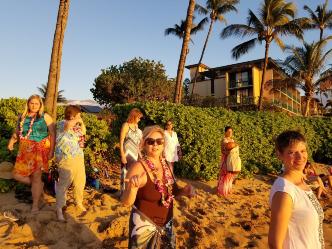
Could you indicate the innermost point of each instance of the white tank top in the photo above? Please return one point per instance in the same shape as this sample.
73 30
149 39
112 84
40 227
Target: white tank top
305 228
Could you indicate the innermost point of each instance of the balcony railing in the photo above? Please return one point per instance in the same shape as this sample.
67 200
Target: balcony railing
239 84
287 107
232 101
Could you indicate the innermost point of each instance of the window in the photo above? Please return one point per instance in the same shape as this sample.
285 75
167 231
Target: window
212 87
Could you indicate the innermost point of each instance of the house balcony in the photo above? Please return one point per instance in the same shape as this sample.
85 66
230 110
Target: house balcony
239 84
294 109
236 101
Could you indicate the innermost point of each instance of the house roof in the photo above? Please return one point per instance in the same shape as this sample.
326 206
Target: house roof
212 72
195 65
91 108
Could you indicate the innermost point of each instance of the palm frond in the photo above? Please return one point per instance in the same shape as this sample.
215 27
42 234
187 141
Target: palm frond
239 30
252 19
199 26
201 10
311 13
290 28
226 8
243 48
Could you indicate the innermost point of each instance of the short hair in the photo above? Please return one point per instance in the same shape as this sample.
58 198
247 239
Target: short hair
288 138
133 114
148 131
41 108
227 128
71 111
169 120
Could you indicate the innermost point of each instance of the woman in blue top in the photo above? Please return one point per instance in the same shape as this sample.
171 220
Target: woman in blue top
36 133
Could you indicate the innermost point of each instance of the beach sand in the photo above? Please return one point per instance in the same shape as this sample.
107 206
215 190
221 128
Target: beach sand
205 221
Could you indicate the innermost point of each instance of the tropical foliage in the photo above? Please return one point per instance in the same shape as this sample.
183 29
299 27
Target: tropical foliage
42 90
320 19
275 19
200 131
304 65
97 140
216 9
179 30
136 80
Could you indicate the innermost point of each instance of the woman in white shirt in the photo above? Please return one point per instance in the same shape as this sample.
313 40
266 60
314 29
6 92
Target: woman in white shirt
172 145
296 215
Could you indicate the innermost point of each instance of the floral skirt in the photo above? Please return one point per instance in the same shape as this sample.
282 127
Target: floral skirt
32 156
225 181
145 234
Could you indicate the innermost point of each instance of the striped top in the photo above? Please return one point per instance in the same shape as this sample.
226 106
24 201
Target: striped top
131 143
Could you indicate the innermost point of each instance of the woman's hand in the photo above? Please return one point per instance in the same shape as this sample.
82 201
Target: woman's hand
10 146
135 181
123 160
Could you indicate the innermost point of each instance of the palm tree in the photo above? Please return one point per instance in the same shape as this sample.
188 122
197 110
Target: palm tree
304 65
55 64
274 20
321 20
216 10
42 90
179 30
183 55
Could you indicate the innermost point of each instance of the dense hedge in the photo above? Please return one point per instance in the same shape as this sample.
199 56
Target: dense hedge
98 133
200 131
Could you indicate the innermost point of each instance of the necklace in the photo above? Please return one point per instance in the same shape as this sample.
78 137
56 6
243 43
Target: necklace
29 130
165 189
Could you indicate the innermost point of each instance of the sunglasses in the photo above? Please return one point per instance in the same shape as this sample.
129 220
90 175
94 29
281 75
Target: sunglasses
152 141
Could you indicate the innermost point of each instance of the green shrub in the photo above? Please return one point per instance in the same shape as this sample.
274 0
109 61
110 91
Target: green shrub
200 131
96 140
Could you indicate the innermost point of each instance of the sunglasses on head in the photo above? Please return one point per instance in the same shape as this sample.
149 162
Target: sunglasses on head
152 141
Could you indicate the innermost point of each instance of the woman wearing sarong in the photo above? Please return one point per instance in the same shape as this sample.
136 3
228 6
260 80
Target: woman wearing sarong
225 181
151 187
130 137
36 135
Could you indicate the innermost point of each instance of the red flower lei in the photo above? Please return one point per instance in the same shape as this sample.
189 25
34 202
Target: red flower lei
30 127
165 189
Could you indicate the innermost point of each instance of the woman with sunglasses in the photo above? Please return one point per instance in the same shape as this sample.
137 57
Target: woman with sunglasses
150 186
130 137
172 146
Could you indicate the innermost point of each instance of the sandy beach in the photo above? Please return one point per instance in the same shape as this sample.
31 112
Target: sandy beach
205 221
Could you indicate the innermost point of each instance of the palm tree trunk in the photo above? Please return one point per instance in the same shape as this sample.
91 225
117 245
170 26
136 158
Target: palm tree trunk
321 34
307 106
201 58
184 52
266 60
55 64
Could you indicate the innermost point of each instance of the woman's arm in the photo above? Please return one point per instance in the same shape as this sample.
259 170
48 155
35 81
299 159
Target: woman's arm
12 141
14 138
281 211
136 178
51 131
123 133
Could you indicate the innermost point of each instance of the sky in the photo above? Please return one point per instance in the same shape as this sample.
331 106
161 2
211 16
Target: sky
101 33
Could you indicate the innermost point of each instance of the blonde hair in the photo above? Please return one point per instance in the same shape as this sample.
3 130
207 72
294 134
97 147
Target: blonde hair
148 131
133 114
41 108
